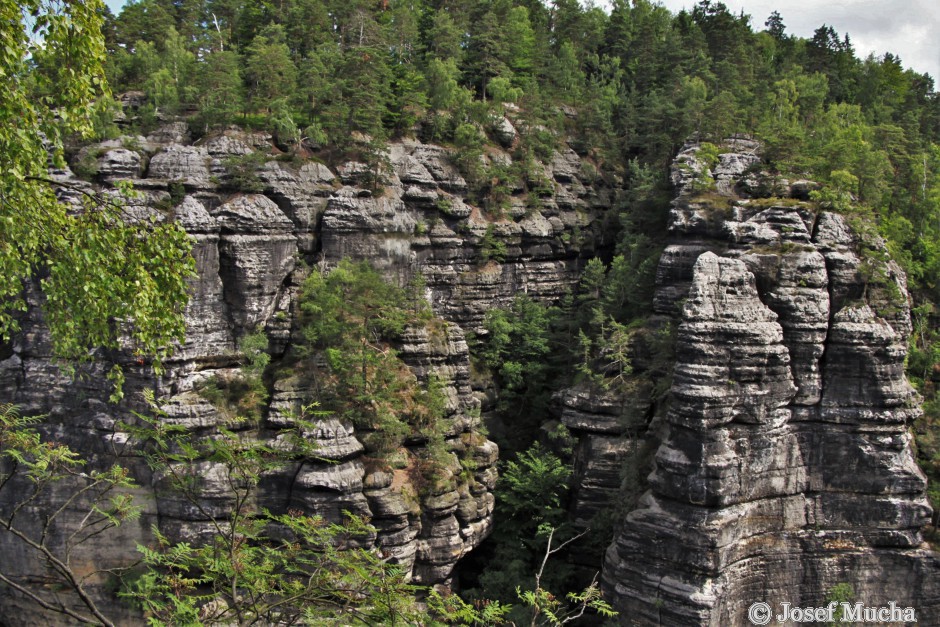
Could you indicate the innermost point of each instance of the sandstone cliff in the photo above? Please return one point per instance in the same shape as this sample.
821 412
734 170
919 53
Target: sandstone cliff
782 461
255 234
785 466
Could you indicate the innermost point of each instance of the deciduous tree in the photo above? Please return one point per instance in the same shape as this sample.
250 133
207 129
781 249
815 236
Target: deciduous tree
103 279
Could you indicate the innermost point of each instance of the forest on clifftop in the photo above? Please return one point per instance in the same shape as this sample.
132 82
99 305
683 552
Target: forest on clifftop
625 88
628 87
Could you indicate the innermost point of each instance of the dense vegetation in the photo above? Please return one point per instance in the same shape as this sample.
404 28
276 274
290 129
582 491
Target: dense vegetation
624 88
95 270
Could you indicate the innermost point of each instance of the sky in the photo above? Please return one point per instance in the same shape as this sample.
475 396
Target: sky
909 29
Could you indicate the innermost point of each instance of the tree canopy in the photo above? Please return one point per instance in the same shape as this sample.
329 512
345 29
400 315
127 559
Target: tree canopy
100 276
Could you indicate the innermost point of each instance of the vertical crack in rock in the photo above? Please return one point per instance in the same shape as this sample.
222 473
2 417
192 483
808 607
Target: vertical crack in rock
786 464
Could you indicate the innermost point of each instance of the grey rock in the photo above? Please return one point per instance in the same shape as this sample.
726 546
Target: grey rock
785 464
566 166
504 132
119 164
437 161
731 167
410 170
181 163
257 253
226 145
170 133
246 248
301 194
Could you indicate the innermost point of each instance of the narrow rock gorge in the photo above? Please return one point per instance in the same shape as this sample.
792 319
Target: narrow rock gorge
781 453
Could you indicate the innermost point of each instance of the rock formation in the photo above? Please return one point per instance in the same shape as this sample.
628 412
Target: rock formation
783 462
257 224
785 466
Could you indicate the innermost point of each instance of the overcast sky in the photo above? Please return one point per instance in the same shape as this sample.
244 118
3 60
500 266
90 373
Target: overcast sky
909 29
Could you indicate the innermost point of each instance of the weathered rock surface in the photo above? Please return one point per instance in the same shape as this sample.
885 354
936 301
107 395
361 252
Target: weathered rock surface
782 467
785 466
176 162
118 164
471 260
248 244
257 252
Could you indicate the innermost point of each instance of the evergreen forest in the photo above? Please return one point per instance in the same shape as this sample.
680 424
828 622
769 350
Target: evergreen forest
626 87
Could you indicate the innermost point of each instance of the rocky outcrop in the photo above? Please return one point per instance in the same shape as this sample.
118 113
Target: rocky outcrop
471 259
785 466
257 223
782 462
258 251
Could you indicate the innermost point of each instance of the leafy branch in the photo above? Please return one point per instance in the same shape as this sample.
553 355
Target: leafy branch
555 611
29 470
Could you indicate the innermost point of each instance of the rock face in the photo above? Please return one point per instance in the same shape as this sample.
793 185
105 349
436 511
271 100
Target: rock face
252 246
785 466
782 466
471 260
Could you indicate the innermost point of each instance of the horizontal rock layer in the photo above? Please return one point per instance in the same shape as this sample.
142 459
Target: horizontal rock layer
254 231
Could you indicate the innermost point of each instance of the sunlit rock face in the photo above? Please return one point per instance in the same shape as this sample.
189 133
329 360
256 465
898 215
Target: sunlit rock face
785 466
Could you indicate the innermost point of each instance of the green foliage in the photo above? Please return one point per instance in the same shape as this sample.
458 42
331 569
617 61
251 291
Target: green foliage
102 278
353 299
530 512
244 395
548 609
243 172
352 316
838 195
260 566
708 154
605 298
254 565
220 94
468 140
517 352
442 87
282 124
378 166
270 73
606 356
177 192
702 181
309 574
839 594
86 165
501 90
532 488
31 468
168 82
492 248
635 84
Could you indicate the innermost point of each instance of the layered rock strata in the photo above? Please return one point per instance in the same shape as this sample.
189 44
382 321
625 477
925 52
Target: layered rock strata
472 260
786 466
253 236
